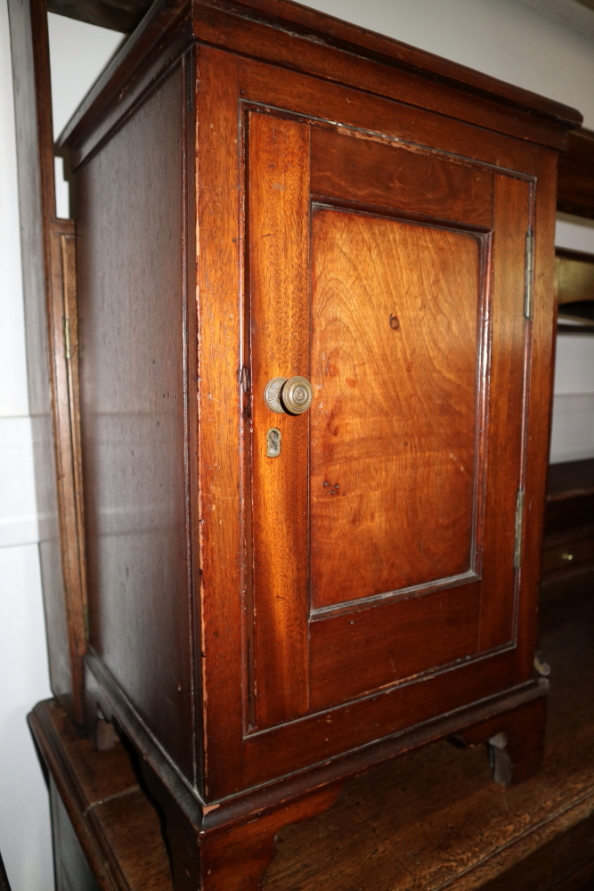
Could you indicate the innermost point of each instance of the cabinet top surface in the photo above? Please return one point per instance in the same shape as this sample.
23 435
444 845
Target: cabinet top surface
314 34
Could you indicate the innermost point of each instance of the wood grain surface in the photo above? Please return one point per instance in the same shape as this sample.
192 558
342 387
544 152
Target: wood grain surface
101 808
393 423
132 326
278 225
244 557
429 820
414 334
257 201
387 175
433 819
324 45
508 392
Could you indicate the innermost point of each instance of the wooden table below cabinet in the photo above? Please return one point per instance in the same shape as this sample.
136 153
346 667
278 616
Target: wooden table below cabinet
429 821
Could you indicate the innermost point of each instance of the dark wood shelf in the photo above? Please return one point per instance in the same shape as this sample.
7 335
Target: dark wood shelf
426 821
570 479
117 15
568 546
574 274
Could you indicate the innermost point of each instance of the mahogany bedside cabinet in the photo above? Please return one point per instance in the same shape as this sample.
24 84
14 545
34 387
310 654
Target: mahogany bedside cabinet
314 280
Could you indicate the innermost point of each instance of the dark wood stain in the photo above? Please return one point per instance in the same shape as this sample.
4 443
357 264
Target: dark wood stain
434 819
575 193
431 819
118 15
262 191
98 797
568 547
133 413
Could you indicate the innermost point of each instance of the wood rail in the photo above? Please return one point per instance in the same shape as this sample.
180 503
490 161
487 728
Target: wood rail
117 15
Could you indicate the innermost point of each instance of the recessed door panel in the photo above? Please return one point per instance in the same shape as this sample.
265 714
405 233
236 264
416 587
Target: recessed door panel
406 637
366 515
394 358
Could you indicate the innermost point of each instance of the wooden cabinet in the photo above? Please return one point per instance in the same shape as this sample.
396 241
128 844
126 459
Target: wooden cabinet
278 598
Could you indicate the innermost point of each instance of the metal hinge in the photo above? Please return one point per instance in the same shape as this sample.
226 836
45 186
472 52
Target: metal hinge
529 274
519 528
66 337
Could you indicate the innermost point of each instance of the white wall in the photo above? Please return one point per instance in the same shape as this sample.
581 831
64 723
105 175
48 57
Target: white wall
24 812
572 436
504 38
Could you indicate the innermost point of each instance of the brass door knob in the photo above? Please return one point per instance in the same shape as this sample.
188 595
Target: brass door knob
297 395
292 395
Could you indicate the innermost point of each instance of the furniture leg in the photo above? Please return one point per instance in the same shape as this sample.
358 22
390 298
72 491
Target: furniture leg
230 854
515 741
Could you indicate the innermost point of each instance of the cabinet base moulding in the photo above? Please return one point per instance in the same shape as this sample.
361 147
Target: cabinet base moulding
228 845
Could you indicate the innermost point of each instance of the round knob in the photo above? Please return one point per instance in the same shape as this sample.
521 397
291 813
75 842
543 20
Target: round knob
272 395
297 395
293 395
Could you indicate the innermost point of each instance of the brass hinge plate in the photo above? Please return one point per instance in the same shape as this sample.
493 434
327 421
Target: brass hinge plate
519 528
529 274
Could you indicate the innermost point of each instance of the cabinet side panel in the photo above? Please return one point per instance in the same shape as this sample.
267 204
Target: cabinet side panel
133 368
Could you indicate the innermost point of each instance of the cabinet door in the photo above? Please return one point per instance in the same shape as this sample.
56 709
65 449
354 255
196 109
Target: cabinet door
383 518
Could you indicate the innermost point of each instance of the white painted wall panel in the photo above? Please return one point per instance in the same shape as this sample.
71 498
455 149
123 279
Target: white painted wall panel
572 436
575 232
24 807
18 510
13 367
79 53
574 371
